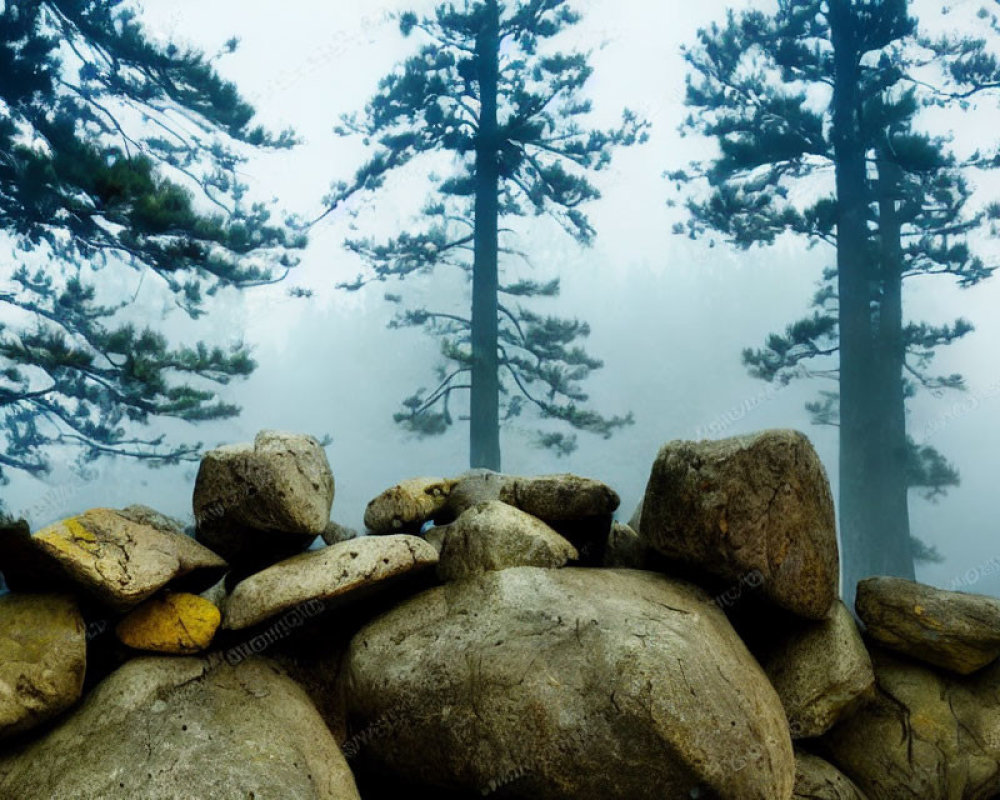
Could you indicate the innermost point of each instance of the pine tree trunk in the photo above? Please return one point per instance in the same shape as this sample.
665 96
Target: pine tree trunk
858 530
484 427
892 501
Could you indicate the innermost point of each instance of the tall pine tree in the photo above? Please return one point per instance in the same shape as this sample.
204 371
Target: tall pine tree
814 108
486 87
115 153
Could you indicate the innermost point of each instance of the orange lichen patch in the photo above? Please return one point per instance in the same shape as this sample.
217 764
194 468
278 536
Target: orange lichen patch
170 623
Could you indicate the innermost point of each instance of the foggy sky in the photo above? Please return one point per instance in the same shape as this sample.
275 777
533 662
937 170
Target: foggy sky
668 316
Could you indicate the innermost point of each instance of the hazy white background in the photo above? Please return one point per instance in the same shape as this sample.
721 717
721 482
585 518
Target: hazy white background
669 316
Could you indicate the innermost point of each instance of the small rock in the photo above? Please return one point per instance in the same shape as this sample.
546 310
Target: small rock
495 536
334 533
121 562
174 623
474 488
816 779
952 630
405 507
326 577
43 657
821 671
282 483
560 498
757 504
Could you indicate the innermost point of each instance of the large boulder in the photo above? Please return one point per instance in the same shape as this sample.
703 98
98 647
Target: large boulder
956 631
281 483
163 728
121 562
43 656
496 536
327 577
925 736
816 779
821 671
405 507
757 504
572 683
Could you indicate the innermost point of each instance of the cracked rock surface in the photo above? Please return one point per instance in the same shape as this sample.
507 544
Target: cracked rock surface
750 505
571 683
163 728
925 736
122 562
953 630
43 656
332 574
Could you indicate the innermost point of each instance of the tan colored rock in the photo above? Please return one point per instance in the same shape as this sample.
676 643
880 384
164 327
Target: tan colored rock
405 507
926 736
121 562
281 483
756 504
952 630
496 536
327 577
164 728
43 657
580 683
174 623
816 779
821 671
560 498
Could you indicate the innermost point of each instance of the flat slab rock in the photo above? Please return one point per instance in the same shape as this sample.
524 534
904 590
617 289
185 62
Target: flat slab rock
43 656
821 671
757 504
332 574
953 630
163 728
121 562
280 483
494 536
572 683
560 498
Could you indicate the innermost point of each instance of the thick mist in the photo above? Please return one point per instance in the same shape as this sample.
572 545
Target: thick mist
669 316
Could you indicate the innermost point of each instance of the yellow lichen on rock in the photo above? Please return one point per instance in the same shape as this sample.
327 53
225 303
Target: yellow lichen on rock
178 624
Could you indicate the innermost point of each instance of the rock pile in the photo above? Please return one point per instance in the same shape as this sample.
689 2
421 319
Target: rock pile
488 635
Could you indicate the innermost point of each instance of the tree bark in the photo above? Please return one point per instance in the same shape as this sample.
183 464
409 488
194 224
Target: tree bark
858 526
484 426
896 554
